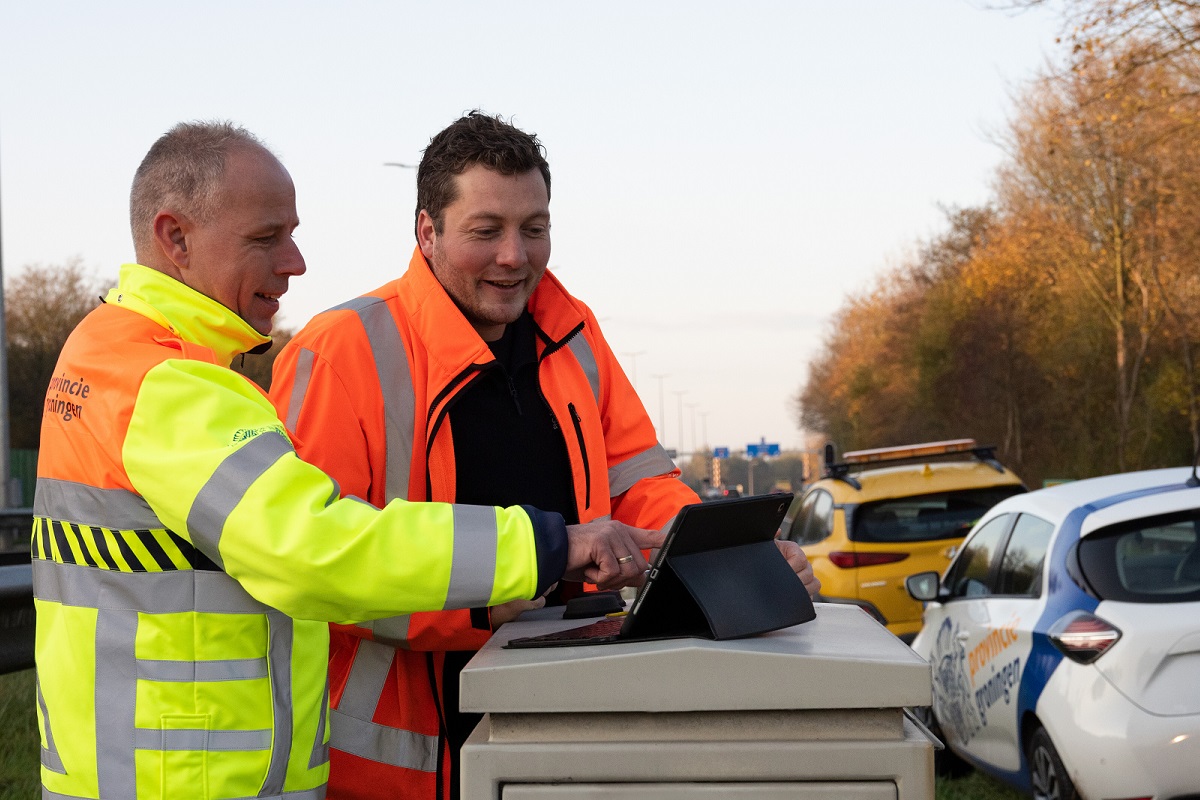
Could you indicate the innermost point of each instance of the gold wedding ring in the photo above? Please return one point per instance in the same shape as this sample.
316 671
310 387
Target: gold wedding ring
624 559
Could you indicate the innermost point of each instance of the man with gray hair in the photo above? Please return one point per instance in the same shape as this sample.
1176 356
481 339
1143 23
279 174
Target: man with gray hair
186 561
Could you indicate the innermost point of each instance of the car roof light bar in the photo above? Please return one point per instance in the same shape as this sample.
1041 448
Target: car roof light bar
908 452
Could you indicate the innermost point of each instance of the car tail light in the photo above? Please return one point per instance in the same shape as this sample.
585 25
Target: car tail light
846 560
1083 637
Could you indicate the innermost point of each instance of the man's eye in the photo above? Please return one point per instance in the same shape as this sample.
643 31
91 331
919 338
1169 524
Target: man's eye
537 231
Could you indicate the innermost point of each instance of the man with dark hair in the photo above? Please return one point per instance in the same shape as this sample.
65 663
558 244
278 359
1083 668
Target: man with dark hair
474 377
473 140
186 562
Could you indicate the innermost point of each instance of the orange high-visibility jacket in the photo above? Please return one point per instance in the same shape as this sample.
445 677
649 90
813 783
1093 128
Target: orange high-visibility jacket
186 563
365 389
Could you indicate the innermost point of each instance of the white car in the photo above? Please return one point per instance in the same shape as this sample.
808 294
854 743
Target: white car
1065 639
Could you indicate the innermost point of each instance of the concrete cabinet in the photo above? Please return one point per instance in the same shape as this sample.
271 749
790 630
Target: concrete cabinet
814 711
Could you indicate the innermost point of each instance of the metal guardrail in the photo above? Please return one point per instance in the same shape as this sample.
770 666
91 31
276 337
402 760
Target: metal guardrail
16 526
16 590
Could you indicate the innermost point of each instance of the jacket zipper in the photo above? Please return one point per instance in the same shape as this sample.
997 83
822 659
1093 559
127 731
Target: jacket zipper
553 347
587 467
466 375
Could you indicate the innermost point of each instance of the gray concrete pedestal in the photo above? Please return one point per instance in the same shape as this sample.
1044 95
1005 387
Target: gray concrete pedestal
814 711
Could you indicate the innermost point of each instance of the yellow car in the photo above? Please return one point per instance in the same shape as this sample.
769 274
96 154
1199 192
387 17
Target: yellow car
881 515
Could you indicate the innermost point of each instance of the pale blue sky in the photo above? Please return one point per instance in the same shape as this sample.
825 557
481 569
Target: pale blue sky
724 173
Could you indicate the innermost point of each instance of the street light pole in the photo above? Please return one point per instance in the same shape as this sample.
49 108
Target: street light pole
662 417
6 500
633 366
692 413
679 393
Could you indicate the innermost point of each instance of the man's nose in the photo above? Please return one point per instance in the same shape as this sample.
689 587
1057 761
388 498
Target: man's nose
293 261
512 252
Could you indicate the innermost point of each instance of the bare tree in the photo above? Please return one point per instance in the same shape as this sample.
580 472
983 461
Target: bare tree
258 367
1095 155
43 304
1165 32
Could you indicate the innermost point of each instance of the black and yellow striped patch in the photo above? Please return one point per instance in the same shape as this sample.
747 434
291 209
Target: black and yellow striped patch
157 550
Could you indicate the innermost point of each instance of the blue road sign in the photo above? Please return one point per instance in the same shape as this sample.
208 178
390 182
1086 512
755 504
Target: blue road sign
720 452
762 449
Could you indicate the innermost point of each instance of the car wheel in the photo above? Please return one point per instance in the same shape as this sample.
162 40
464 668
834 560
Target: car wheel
1047 775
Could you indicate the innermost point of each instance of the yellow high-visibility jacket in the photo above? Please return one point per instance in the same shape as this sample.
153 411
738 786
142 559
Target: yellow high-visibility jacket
186 563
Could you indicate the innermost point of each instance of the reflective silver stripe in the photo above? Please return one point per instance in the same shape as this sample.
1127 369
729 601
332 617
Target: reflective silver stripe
118 671
473 565
115 701
307 794
158 592
320 751
183 739
351 729
234 669
50 758
303 375
281 642
364 684
304 794
118 509
583 354
117 674
392 630
393 746
648 464
396 385
228 485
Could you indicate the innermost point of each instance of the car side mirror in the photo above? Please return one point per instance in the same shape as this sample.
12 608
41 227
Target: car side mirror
923 586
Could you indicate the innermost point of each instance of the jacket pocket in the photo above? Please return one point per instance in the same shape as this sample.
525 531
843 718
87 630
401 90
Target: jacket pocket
183 760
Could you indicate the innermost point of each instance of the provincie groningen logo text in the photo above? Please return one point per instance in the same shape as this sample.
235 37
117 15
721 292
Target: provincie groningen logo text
66 395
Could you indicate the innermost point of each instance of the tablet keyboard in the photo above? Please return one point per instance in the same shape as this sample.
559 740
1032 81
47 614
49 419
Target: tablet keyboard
602 630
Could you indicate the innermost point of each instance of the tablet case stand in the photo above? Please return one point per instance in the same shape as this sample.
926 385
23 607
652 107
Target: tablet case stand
724 594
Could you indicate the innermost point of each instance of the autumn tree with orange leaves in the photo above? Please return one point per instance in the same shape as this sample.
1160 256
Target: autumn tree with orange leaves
1062 321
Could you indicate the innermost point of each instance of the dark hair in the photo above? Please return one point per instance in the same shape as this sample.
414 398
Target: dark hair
183 169
475 138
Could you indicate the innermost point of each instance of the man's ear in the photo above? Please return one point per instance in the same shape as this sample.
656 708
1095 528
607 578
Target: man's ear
170 234
425 234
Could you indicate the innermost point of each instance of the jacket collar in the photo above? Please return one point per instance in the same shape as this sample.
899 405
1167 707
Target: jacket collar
448 335
183 311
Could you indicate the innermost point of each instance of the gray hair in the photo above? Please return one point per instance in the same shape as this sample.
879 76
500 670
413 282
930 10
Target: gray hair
183 171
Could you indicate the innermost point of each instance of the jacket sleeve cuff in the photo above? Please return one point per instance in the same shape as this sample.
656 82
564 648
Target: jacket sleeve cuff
550 538
481 618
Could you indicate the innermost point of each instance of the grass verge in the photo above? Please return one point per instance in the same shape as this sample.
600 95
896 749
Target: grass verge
19 768
975 786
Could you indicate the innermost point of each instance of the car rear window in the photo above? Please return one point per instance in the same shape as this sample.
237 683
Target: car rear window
919 518
1151 560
